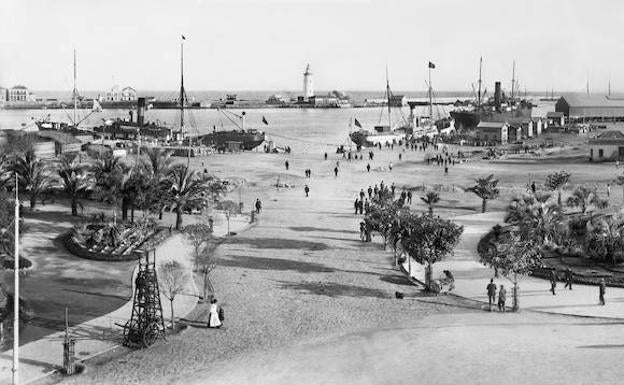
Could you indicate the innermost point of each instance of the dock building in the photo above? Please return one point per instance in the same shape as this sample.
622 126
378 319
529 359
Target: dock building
18 93
608 146
492 132
578 108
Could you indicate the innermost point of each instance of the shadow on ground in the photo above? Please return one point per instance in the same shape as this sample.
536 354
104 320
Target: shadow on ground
330 289
262 263
277 243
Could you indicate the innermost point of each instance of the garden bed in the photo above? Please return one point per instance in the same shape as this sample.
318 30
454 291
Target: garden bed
113 242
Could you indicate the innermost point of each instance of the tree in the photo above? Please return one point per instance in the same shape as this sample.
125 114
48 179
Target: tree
513 255
34 176
430 199
76 179
380 218
605 240
187 191
486 189
7 224
158 163
428 239
199 234
536 217
556 181
5 174
171 280
619 180
107 171
584 197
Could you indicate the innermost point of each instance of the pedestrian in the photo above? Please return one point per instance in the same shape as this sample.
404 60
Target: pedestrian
286 164
608 190
335 171
362 194
214 320
370 192
258 206
361 207
390 166
568 278
533 188
376 190
553 281
603 288
362 231
446 170
392 187
356 205
409 197
368 167
366 206
325 156
400 156
307 190
491 291
502 297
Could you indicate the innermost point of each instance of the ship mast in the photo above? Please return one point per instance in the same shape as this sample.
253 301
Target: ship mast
75 92
388 95
479 93
430 96
513 80
182 101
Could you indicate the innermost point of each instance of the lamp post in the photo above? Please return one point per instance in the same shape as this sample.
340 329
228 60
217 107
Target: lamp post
16 288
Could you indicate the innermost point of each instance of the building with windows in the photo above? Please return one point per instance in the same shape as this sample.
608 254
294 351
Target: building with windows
492 132
18 94
602 108
608 146
4 94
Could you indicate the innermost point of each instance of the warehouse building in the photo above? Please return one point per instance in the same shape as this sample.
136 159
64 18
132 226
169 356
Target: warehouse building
578 108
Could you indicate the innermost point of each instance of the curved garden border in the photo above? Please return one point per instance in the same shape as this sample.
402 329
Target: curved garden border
81 251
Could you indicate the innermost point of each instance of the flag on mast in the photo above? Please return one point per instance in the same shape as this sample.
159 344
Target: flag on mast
183 38
431 65
357 123
265 121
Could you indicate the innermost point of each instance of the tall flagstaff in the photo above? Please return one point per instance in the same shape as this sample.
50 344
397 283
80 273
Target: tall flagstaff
16 288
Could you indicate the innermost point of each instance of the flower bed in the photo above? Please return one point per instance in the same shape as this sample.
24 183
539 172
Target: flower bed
107 242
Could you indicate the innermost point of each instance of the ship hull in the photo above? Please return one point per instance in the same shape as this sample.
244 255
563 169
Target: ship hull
471 119
221 139
367 139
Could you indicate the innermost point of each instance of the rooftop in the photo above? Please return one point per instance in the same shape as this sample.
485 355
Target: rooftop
554 114
491 124
591 101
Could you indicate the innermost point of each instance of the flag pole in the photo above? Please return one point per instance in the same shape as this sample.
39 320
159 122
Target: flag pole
16 288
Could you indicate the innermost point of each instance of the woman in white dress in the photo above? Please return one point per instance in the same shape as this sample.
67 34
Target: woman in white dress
214 321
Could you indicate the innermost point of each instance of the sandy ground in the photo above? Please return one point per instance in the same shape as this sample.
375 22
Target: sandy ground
302 278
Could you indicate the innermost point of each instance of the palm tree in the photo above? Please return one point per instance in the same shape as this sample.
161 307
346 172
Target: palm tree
583 197
536 218
485 188
34 176
5 175
158 164
187 190
76 179
107 171
430 199
556 181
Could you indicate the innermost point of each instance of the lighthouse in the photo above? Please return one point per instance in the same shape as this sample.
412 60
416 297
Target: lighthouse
308 85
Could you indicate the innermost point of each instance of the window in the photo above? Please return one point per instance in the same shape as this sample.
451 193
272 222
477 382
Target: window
600 153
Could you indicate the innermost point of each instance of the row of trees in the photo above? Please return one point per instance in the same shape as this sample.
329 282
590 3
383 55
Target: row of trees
425 238
154 183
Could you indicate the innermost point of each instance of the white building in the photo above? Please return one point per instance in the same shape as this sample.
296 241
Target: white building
4 94
113 94
128 94
18 94
607 147
308 83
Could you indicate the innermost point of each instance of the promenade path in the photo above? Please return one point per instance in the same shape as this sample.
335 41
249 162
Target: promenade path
40 357
471 278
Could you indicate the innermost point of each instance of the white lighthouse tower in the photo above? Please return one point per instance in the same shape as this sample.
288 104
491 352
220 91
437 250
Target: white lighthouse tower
308 85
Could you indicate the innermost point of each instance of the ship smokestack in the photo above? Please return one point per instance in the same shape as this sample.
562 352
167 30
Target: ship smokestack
497 95
141 111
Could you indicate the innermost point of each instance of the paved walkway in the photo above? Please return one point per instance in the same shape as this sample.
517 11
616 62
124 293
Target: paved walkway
40 358
471 278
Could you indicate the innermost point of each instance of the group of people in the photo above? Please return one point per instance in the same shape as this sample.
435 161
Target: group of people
502 296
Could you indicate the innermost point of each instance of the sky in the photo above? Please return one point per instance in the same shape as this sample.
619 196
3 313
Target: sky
266 44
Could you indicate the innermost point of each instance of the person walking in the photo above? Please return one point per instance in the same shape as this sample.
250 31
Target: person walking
362 194
214 320
356 205
602 287
370 192
325 156
491 291
361 206
533 188
409 197
286 164
553 281
368 167
502 297
608 190
336 171
390 166
306 189
568 278
258 206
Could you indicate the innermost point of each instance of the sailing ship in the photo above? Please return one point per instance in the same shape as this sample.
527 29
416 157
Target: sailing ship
382 134
498 109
